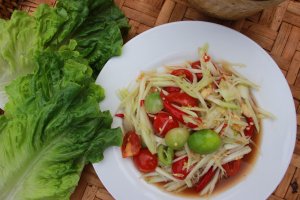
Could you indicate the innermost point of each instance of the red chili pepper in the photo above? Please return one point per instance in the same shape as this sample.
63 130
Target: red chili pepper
223 127
183 73
172 89
197 65
191 125
121 115
249 130
206 58
176 113
218 81
173 111
202 183
182 99
142 103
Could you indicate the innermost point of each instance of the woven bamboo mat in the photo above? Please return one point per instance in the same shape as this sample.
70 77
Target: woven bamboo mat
276 29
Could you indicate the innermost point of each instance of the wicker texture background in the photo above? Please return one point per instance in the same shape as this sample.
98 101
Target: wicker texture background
6 7
276 29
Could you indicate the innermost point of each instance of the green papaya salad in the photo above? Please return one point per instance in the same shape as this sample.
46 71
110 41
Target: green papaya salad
189 126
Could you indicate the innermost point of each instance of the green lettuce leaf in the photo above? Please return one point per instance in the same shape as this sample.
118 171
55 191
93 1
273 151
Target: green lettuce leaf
51 128
96 26
17 45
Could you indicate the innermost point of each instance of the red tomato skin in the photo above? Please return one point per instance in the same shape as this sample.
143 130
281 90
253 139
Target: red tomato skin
183 72
178 168
163 122
233 167
131 144
182 99
145 161
172 89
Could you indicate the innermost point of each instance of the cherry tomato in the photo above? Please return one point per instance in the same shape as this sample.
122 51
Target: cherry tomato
204 141
204 180
232 168
249 130
197 65
179 169
145 161
163 122
131 144
182 99
184 73
172 89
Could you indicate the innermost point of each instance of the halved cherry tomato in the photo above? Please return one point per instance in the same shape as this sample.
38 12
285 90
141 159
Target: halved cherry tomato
131 144
197 65
182 99
163 122
202 183
233 167
172 89
184 73
179 169
145 161
249 130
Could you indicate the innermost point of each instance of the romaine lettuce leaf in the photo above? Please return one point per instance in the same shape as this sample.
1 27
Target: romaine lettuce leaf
17 46
95 26
51 128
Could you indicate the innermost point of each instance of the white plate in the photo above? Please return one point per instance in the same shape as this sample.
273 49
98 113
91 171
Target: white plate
178 42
